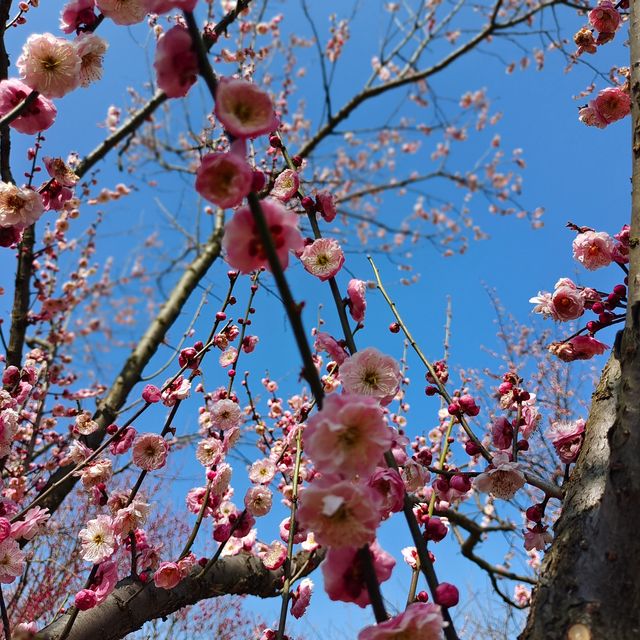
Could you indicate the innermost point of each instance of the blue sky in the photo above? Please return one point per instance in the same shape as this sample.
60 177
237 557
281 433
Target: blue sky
575 173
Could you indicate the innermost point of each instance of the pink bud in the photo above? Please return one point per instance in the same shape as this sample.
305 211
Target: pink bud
446 595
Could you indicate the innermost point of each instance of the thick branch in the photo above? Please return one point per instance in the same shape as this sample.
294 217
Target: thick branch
132 604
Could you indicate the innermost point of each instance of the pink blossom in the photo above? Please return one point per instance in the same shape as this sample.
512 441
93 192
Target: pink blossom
566 303
50 65
323 258
340 513
344 574
414 475
195 498
5 528
33 523
167 575
262 471
502 433
446 595
537 537
130 518
175 390
578 348
150 451
543 303
356 297
502 478
91 49
98 539
209 452
123 443
58 169
286 185
11 561
301 598
244 110
105 580
224 179
123 12
326 205
151 394
593 249
324 342
419 621
604 18
85 599
258 501
610 105
176 63
226 414
590 116
164 6
249 343
389 485
77 14
371 373
348 436
274 555
38 116
243 245
566 437
19 208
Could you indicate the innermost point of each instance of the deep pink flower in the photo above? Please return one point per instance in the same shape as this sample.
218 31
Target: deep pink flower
371 373
150 451
389 485
344 574
38 116
176 63
85 599
502 433
348 436
77 14
323 258
224 179
123 12
124 442
50 65
502 478
5 528
242 243
566 437
578 348
167 575
340 513
446 595
151 393
326 205
610 105
33 522
566 303
605 17
10 236
419 621
301 598
286 185
594 249
324 342
356 290
164 6
244 110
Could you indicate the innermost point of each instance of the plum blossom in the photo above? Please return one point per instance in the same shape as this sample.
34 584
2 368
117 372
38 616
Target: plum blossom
258 501
175 390
123 12
578 348
11 561
226 414
98 539
594 249
356 298
537 537
371 373
209 452
60 171
150 451
91 49
101 586
390 488
130 518
567 303
167 575
50 65
176 63
301 598
326 205
244 110
286 185
339 512
39 114
344 576
610 105
502 478
224 179
323 258
348 436
243 245
77 14
33 522
19 208
324 342
604 18
262 471
419 621
566 437
164 6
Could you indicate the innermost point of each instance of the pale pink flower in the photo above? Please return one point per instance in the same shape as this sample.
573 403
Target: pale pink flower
262 471
98 539
91 49
344 574
176 63
286 185
274 555
578 348
243 245
348 436
38 116
11 561
76 14
566 304
502 478
209 452
356 290
123 12
224 179
323 258
301 598
340 513
419 621
522 595
179 389
605 18
33 523
228 357
566 437
226 414
543 303
326 205
221 480
58 169
195 498
168 575
537 537
150 451
258 501
590 116
164 6
131 518
50 65
371 373
99 471
324 342
84 424
187 564
19 208
594 249
244 110
414 475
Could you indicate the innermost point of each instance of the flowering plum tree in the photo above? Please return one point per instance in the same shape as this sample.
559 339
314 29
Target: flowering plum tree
93 543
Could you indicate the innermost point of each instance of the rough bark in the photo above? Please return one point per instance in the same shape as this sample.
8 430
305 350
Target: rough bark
131 604
590 586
